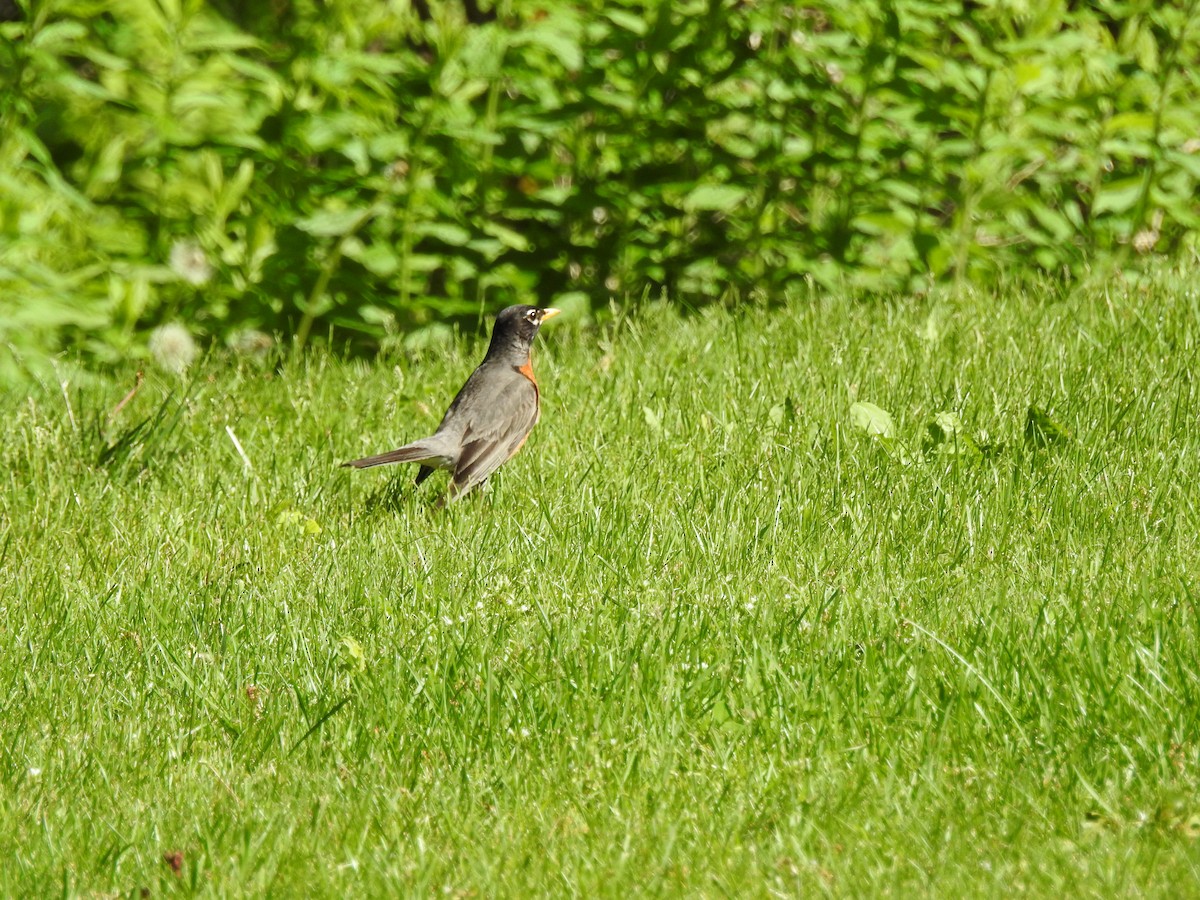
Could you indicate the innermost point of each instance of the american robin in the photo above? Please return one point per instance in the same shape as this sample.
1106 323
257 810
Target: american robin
492 415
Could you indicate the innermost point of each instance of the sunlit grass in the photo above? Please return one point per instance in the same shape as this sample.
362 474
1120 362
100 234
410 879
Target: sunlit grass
702 636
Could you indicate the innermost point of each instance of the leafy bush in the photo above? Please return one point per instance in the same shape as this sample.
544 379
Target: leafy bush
301 166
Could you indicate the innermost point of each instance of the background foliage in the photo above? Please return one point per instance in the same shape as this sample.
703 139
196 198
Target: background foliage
298 166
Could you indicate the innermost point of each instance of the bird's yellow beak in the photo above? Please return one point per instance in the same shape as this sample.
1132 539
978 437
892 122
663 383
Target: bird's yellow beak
550 313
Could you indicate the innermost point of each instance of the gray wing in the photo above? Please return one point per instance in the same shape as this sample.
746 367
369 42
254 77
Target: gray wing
494 438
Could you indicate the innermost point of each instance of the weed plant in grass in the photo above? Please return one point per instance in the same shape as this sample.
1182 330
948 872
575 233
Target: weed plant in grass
703 636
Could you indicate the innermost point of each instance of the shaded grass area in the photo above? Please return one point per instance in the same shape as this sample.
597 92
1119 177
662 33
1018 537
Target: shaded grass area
701 637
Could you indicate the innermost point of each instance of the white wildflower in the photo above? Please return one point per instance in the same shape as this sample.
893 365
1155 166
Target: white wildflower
172 347
251 342
189 262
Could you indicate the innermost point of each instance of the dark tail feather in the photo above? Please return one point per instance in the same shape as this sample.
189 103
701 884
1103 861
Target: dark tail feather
410 453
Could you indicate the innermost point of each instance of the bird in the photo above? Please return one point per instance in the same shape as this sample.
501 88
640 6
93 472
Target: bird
491 416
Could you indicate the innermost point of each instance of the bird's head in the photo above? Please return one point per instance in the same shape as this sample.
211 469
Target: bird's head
517 326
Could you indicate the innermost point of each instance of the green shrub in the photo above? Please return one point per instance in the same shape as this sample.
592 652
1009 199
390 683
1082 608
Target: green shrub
299 167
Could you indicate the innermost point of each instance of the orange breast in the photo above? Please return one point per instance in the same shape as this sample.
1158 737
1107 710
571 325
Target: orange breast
526 369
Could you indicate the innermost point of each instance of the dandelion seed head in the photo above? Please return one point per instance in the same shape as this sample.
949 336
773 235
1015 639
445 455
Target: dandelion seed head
172 347
251 342
189 262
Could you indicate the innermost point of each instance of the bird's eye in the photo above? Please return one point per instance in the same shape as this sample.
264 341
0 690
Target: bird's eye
532 315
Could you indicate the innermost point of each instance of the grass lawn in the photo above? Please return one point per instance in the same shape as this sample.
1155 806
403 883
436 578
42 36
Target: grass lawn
703 636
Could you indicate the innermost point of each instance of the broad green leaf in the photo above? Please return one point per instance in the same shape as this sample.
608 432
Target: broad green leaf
213 40
380 258
59 36
436 334
653 419
714 198
1118 196
626 21
489 248
872 419
946 435
1041 430
902 190
334 222
782 413
468 90
566 48
880 223
350 655
507 236
619 100
574 305
1054 222
447 233
1139 123
425 262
